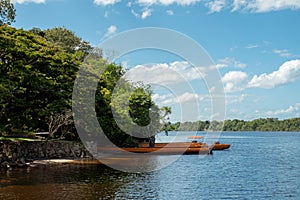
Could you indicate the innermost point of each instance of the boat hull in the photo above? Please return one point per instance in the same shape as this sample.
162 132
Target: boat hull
160 150
216 146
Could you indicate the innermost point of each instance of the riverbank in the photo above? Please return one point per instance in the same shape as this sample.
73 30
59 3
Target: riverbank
22 153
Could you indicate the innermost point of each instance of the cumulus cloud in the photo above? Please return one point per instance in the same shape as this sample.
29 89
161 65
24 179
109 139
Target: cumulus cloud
106 2
170 12
28 1
254 6
148 2
237 80
290 110
252 46
282 52
134 13
168 2
187 97
216 6
265 5
288 72
230 62
169 99
147 12
234 81
165 74
111 30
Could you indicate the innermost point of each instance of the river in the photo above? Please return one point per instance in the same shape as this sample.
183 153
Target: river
259 165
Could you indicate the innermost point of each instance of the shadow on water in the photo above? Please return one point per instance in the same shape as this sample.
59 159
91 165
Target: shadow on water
61 182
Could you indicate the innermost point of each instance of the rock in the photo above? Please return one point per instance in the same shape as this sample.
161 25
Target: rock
21 162
5 164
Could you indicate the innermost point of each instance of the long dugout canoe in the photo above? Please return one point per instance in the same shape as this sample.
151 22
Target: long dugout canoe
160 150
216 146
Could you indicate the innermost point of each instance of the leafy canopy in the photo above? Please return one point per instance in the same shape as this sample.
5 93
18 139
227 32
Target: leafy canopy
7 12
36 80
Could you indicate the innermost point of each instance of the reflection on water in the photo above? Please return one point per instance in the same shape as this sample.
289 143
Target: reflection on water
61 182
263 167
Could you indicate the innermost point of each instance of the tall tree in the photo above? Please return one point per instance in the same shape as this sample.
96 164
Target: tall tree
66 39
7 12
36 80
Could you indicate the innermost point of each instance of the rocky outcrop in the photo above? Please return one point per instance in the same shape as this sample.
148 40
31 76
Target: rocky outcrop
21 152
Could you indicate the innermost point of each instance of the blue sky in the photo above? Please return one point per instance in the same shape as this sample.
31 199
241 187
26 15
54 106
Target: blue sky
254 44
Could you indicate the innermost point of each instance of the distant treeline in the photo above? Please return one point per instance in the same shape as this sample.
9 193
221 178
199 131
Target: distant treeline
268 124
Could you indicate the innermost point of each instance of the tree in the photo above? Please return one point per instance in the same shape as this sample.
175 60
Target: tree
166 124
144 112
36 80
66 39
125 111
36 86
7 12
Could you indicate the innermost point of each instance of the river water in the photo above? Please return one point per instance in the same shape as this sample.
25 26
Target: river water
259 165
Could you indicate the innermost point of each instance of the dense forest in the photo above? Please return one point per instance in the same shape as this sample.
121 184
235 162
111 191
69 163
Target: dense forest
268 124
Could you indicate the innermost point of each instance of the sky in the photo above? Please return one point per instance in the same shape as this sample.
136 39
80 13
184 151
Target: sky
253 44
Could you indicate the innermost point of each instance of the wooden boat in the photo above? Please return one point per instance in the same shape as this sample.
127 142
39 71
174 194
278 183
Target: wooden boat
194 147
159 150
216 146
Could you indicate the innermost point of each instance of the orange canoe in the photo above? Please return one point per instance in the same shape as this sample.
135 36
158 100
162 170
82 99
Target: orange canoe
217 146
195 137
161 150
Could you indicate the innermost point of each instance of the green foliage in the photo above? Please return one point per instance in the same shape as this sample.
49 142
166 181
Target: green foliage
7 12
65 39
36 80
268 124
125 109
140 104
38 70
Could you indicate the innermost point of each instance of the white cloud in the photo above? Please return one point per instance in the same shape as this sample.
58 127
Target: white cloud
165 99
230 62
169 99
238 4
187 97
288 72
134 13
111 30
265 5
253 6
168 2
170 12
282 52
289 110
166 74
216 5
252 46
28 1
147 12
235 81
234 99
106 2
129 4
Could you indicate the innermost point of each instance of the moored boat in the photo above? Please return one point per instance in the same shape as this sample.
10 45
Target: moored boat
160 150
216 146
